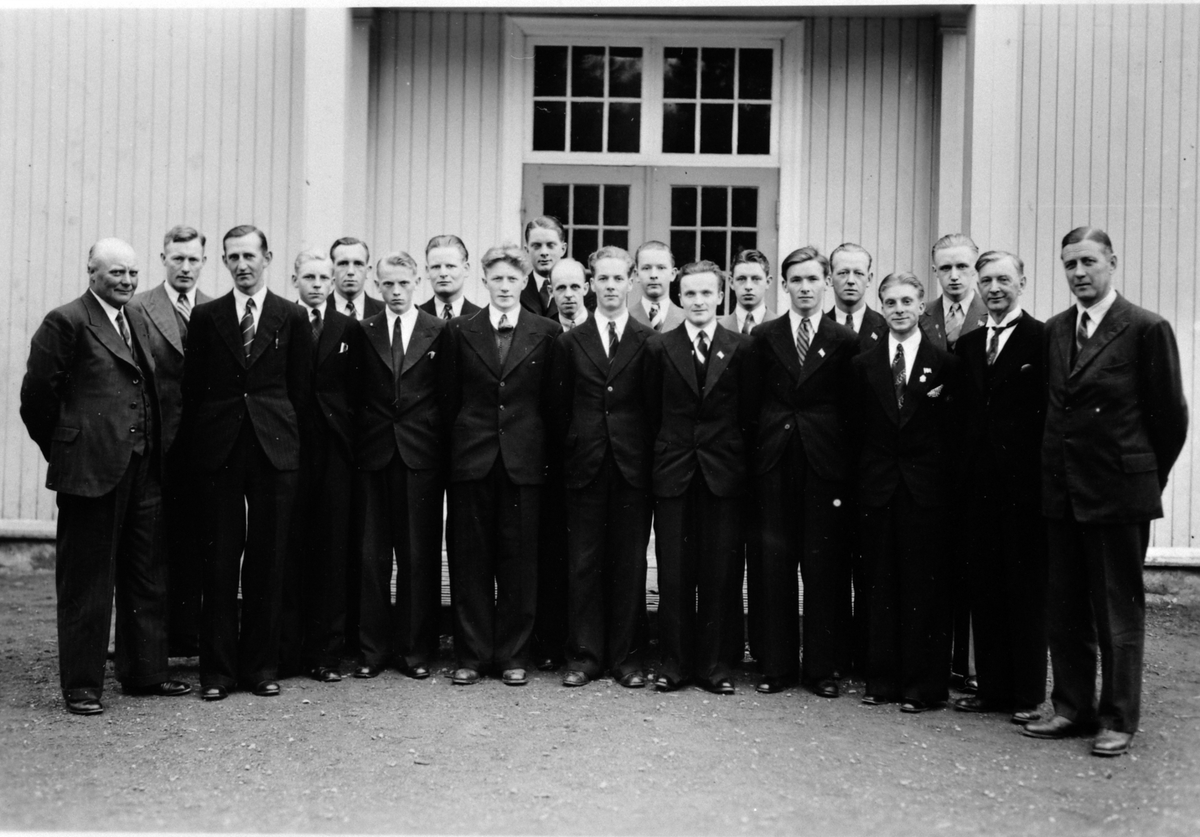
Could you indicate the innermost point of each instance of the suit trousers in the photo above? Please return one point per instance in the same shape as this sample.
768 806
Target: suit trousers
247 488
697 541
493 569
803 523
403 510
748 626
904 551
550 627
608 527
1097 598
185 584
105 542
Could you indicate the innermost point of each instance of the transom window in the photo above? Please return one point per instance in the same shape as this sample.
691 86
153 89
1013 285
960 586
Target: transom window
587 98
717 100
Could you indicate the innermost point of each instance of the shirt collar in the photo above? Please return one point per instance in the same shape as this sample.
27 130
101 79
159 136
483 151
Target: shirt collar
190 293
910 343
340 303
603 321
581 318
323 308
109 311
965 302
794 319
710 330
407 318
494 315
1011 317
647 302
759 313
258 297
1098 310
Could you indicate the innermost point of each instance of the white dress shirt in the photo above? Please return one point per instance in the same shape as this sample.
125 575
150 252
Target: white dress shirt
408 321
1096 312
582 316
602 324
856 316
323 308
813 321
190 293
1005 332
662 309
911 344
111 313
359 302
759 314
693 332
494 314
948 303
239 305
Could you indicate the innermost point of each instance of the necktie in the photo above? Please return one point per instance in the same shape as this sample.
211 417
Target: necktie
654 316
351 311
447 312
545 295
850 322
568 324
184 307
397 347
802 339
954 323
613 340
248 326
747 324
316 324
994 343
1081 332
898 375
121 327
503 338
702 348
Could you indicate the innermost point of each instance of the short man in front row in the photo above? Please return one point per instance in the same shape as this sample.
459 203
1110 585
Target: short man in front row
401 458
600 421
494 387
655 271
701 400
247 392
351 269
89 402
803 466
1115 424
907 420
169 307
1006 564
446 266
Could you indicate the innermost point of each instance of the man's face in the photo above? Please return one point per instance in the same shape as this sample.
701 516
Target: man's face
545 249
397 285
567 283
113 273
1089 270
314 281
851 278
183 261
1000 285
750 283
246 262
805 284
955 269
447 271
902 308
655 270
504 282
611 282
700 293
350 269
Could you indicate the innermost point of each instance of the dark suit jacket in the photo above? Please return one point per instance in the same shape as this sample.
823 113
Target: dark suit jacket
222 388
1006 410
812 402
601 406
1116 420
933 321
335 370
919 445
531 301
494 411
400 414
82 393
167 343
709 432
432 306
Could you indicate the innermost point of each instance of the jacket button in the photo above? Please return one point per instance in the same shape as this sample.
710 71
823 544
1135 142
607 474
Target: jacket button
787 427
136 381
501 406
610 389
502 383
133 430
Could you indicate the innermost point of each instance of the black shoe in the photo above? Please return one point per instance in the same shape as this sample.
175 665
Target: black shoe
84 706
514 677
325 674
974 703
875 700
720 687
417 672
366 672
914 707
465 677
971 684
167 688
632 680
214 693
827 688
771 685
575 678
267 688
662 683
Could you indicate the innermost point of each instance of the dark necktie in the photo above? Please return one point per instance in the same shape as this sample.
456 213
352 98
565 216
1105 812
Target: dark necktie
748 323
351 311
654 316
954 323
447 311
544 293
802 340
613 340
316 324
850 322
994 343
898 375
1081 332
504 336
397 347
248 326
123 329
701 356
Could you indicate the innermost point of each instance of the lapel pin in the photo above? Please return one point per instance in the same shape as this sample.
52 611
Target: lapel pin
821 352
431 354
721 355
874 336
921 379
928 371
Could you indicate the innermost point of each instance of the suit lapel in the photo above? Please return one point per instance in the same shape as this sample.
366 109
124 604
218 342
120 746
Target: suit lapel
105 331
523 342
679 350
479 336
1006 361
418 342
331 335
162 313
226 321
719 355
977 313
377 336
1114 323
631 341
880 376
593 346
269 323
816 349
780 339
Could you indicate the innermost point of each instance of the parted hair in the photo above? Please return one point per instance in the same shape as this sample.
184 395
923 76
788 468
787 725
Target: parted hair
1080 234
546 222
701 266
310 255
850 247
508 253
349 241
653 244
804 254
751 257
902 278
246 229
954 240
995 256
182 233
611 251
448 240
397 259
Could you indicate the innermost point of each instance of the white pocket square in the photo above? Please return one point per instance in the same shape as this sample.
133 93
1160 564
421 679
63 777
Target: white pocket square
343 348
431 354
935 392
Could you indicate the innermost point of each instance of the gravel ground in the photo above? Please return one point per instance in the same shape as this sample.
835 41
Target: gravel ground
397 755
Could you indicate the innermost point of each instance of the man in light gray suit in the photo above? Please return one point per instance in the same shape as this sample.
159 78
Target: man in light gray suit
168 308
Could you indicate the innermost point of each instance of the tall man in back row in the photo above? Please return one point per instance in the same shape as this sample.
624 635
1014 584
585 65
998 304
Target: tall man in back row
1115 424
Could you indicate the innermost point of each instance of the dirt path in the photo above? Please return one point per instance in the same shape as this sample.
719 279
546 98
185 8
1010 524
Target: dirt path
396 755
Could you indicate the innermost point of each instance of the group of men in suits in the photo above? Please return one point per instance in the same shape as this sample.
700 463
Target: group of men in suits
936 473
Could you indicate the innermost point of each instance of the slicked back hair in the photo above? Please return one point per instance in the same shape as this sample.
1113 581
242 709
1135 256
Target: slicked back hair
447 240
310 255
804 254
850 247
243 230
350 241
653 244
182 233
953 240
397 259
508 253
995 256
1080 234
701 266
546 222
611 251
902 278
751 257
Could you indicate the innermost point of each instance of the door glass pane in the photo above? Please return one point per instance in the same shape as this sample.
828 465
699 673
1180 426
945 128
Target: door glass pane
741 240
716 73
617 238
683 246
590 213
587 205
745 207
616 206
713 206
683 206
727 222
556 200
712 247
583 243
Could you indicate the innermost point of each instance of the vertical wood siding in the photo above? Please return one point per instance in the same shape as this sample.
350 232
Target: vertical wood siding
869 146
125 123
434 134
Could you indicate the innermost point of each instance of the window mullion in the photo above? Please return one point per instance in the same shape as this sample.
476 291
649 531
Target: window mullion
652 98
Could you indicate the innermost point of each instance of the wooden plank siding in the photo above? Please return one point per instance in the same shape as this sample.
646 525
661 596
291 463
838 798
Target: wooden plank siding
192 122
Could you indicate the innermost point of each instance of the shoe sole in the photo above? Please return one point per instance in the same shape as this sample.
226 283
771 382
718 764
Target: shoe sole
1110 753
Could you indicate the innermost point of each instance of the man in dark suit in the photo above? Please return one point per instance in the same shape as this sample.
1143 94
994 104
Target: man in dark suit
446 266
701 400
401 457
656 271
751 282
546 244
323 537
247 392
494 388
1115 424
803 465
906 394
89 402
600 422
1006 564
168 307
351 269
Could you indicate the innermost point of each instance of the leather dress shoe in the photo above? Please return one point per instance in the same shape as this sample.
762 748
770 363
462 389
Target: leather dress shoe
464 677
1109 742
721 687
214 693
632 680
827 688
913 707
267 688
575 678
325 674
366 672
84 706
514 677
771 685
875 700
662 683
167 688
970 684
418 672
1026 716
974 703
1055 727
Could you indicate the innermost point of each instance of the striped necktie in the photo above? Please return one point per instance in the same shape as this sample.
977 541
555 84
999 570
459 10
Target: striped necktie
898 375
748 323
248 326
351 311
121 327
654 316
184 307
447 311
802 339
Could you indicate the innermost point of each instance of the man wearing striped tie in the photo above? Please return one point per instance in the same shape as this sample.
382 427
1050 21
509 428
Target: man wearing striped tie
168 307
446 267
351 259
247 393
